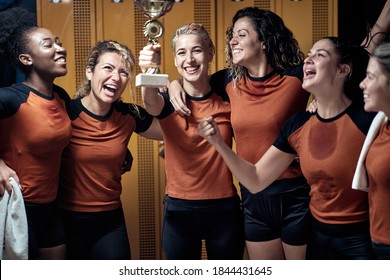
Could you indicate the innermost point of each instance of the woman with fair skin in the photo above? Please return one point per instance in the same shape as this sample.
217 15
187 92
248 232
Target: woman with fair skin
263 84
201 201
34 127
376 92
90 185
327 143
260 45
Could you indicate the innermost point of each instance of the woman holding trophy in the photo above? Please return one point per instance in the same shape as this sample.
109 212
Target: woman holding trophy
201 201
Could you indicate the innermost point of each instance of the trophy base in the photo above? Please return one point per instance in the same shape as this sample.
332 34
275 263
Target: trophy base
151 80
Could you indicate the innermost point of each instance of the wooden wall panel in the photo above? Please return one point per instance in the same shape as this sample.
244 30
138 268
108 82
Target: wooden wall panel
59 19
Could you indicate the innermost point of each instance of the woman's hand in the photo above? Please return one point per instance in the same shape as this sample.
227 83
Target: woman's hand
209 130
177 96
5 174
149 57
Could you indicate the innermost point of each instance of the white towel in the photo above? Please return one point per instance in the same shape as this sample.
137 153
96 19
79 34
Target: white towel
13 227
360 181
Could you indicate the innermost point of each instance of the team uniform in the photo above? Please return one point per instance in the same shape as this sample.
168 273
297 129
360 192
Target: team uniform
201 201
259 108
90 187
34 130
377 165
328 150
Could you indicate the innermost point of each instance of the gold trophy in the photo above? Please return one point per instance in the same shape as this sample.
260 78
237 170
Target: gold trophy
153 29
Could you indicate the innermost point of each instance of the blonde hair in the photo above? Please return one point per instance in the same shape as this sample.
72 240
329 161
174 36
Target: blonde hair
194 29
97 51
382 55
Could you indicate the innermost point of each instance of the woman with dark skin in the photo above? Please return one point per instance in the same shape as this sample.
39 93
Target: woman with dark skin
34 127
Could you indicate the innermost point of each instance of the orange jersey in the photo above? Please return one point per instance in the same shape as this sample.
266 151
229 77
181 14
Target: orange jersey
34 130
260 107
91 168
194 169
378 166
328 150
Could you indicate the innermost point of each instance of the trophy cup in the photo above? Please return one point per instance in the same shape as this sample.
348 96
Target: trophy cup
153 29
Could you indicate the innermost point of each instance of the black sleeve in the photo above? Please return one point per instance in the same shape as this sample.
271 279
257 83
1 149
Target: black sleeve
142 118
62 93
292 124
219 80
11 99
296 71
168 107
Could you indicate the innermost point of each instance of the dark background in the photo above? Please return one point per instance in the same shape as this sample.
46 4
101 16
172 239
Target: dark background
8 74
354 15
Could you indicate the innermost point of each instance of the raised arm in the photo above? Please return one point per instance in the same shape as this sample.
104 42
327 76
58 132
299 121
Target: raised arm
380 31
255 177
152 100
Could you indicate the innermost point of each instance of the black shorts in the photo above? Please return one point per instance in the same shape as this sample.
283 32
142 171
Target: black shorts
45 228
284 213
340 241
216 221
382 251
96 235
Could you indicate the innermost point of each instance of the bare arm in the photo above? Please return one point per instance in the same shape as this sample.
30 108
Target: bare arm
255 177
379 31
152 100
154 131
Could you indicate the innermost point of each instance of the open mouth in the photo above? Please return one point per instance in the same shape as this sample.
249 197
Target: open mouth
60 60
309 73
110 90
191 69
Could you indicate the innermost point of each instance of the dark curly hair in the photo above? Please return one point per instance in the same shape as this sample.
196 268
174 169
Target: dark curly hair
15 25
357 58
281 48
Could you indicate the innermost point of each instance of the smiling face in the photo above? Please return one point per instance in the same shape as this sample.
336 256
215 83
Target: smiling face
46 54
109 78
321 68
245 46
192 58
376 88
